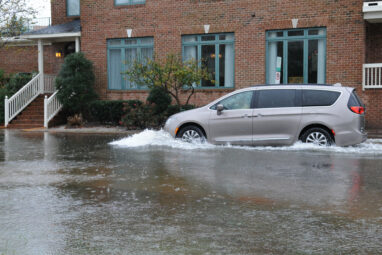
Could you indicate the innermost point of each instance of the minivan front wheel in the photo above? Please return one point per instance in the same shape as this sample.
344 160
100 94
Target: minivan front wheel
317 136
191 134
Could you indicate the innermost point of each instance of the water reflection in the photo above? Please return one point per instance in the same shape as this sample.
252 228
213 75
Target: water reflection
76 194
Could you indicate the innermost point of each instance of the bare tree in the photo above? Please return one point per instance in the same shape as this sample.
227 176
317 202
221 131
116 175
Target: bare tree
14 17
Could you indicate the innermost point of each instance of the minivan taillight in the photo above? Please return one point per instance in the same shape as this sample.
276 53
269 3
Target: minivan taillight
357 109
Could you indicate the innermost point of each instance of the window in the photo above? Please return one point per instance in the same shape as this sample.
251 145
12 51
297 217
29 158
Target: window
276 98
296 56
235 102
319 97
214 52
73 7
129 2
121 54
355 100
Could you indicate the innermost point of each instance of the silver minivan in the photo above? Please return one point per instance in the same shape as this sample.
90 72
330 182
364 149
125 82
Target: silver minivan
276 115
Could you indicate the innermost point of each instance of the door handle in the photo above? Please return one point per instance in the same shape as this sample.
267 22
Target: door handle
258 115
245 116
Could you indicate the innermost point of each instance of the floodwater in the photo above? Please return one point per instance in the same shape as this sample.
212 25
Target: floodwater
150 194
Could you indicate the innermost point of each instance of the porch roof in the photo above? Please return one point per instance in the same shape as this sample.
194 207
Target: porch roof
70 29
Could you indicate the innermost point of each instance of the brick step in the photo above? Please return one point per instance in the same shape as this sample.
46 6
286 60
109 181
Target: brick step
24 126
38 107
28 122
33 111
31 120
25 113
32 115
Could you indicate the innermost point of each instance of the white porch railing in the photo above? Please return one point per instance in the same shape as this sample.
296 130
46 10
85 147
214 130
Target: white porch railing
40 84
49 86
22 98
51 107
372 76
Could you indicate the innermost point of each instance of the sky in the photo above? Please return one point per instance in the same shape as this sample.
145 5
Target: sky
42 6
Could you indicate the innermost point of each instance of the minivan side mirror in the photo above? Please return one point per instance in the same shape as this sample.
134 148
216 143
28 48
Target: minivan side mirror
219 109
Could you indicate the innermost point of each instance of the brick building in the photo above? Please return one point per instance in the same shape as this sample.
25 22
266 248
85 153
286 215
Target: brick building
242 43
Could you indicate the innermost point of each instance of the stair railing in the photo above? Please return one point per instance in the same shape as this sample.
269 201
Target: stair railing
23 98
51 107
49 86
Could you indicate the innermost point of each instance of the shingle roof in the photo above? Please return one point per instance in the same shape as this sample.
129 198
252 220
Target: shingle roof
71 27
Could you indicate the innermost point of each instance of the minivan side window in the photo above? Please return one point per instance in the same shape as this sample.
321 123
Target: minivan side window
276 98
319 97
235 102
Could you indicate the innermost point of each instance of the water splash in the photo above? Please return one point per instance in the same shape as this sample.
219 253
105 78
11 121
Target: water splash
149 138
158 138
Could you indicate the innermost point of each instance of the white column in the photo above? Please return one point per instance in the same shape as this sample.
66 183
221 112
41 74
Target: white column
77 44
46 112
40 57
41 64
6 111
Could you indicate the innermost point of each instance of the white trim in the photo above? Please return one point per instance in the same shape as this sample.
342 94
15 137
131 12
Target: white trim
372 65
46 36
375 6
31 44
372 11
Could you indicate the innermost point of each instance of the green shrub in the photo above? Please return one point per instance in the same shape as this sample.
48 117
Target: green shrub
140 117
109 112
160 98
16 82
9 85
144 116
173 109
3 93
3 78
75 84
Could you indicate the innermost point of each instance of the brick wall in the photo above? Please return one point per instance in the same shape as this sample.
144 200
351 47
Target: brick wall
58 11
167 20
15 59
374 43
373 97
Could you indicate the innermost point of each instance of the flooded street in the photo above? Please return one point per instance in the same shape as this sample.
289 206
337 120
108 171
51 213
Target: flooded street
150 194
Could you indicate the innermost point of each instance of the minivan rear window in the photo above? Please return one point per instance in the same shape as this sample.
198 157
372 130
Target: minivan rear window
276 98
355 100
319 97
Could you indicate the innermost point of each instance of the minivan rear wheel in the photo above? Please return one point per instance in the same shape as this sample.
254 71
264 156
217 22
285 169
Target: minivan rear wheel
318 136
191 134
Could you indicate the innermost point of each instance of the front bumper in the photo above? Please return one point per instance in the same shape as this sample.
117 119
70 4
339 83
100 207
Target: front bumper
171 126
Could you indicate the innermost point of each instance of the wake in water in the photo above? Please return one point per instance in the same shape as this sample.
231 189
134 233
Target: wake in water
161 138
